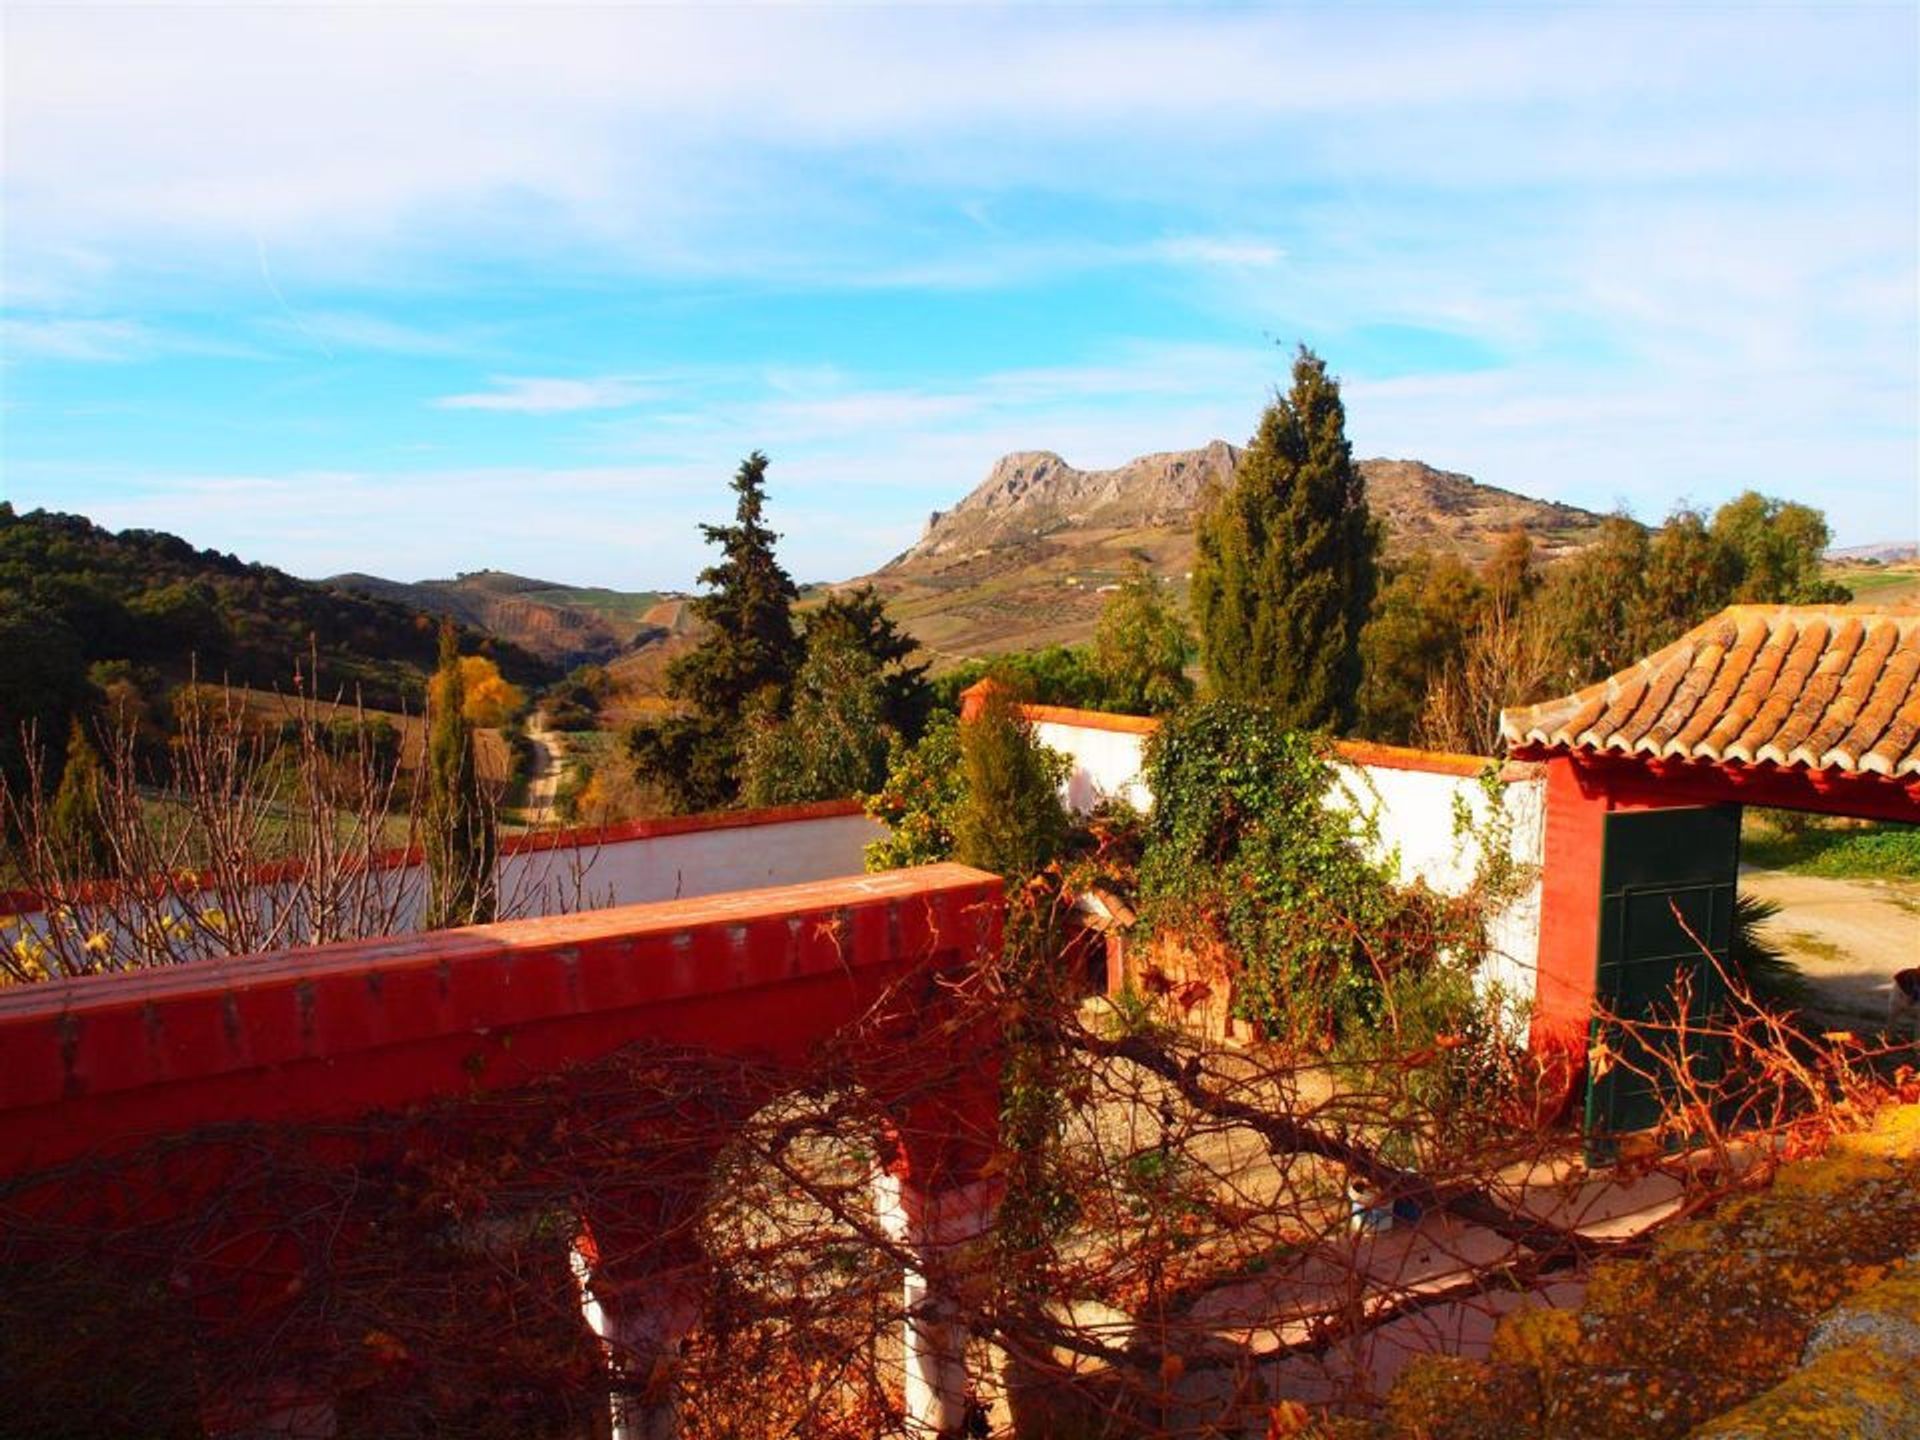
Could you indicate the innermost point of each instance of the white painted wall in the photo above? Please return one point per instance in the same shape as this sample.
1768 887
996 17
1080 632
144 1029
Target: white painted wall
622 872
1416 814
1106 763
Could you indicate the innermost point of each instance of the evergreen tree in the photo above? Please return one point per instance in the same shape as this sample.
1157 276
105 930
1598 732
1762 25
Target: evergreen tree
1284 576
1011 820
1141 647
460 842
77 818
742 666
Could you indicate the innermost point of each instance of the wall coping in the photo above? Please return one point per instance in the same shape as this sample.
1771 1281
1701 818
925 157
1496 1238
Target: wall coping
1354 752
77 994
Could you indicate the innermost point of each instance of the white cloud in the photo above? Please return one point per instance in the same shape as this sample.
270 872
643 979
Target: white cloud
1221 251
536 395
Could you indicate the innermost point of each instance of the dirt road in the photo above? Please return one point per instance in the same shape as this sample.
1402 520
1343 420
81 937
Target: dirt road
1848 936
549 764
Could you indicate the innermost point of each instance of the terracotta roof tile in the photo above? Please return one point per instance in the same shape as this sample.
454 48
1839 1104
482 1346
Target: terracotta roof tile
1830 687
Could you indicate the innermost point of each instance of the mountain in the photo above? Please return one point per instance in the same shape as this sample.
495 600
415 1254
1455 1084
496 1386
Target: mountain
562 624
1022 560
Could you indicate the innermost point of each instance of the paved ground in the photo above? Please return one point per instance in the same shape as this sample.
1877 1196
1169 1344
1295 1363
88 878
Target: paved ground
1848 936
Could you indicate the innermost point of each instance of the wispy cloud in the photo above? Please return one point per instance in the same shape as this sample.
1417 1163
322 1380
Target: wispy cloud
105 341
537 395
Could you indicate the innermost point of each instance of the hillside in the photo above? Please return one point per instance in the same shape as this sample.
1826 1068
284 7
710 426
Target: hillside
1020 562
153 600
564 625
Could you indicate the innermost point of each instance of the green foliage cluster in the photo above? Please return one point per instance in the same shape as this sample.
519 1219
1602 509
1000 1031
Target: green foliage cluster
1136 663
1428 612
1634 590
1284 572
1141 648
78 818
573 702
1249 848
983 791
918 798
770 714
1443 634
1052 675
461 845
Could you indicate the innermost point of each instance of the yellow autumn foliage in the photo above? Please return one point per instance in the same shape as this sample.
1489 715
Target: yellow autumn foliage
491 700
1713 1322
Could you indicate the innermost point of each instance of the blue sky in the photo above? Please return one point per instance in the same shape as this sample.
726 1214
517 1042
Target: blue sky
435 288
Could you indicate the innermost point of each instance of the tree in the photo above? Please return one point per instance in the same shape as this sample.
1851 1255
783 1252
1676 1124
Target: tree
1421 622
1051 675
746 660
460 842
919 799
1284 575
43 685
834 744
858 619
1011 820
1141 647
1690 574
1777 547
491 700
1596 602
79 824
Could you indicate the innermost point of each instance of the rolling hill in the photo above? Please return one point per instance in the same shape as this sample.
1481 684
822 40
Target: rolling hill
562 624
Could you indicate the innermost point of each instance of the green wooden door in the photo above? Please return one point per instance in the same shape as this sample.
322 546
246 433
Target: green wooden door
1667 883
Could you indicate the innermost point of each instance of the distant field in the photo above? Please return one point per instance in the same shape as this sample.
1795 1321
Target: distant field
625 610
273 708
1897 584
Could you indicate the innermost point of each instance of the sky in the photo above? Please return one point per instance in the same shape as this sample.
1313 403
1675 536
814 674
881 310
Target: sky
426 289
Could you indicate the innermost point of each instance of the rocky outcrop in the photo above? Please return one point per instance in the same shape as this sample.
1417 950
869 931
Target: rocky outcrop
1034 495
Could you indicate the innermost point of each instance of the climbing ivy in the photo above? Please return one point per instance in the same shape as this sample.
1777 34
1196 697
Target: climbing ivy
1253 851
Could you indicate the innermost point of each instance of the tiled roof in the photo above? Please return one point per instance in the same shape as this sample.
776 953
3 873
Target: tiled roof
1830 687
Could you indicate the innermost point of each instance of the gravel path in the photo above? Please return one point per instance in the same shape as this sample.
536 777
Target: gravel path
1848 936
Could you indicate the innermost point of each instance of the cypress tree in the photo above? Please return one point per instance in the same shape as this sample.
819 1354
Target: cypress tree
1285 571
744 665
1011 821
77 818
460 842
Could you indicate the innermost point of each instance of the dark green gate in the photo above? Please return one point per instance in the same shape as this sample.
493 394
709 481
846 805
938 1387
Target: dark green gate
1667 883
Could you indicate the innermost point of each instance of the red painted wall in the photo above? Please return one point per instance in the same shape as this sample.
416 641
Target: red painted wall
92 1064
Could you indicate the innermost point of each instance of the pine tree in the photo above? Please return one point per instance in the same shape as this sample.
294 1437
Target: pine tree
77 818
460 842
1284 576
744 665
